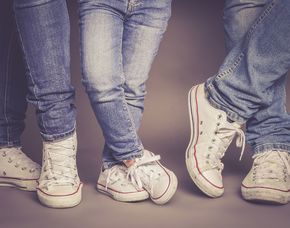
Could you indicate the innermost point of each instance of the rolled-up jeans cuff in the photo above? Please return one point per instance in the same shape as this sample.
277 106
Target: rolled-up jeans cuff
109 164
210 92
271 146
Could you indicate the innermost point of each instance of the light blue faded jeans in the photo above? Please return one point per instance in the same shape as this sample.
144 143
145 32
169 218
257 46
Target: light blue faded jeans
119 40
44 31
250 84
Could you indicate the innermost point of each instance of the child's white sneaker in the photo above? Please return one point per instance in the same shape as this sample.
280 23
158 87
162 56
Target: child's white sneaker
211 134
269 178
114 183
59 183
17 170
148 173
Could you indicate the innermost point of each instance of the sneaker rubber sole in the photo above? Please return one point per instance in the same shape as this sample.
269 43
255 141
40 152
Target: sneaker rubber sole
22 184
60 201
265 195
122 196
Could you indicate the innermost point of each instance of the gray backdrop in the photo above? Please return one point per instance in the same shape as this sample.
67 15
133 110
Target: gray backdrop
192 49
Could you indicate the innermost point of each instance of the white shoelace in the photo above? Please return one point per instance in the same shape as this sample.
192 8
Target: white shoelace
271 165
224 136
15 155
144 169
59 168
116 173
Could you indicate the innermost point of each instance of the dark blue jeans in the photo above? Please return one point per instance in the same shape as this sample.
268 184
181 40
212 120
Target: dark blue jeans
44 31
12 80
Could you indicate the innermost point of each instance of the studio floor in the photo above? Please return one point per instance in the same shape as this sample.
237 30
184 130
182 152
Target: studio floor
188 208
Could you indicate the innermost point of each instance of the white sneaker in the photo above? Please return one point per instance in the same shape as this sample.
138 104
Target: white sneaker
211 134
148 173
17 170
59 183
269 178
114 182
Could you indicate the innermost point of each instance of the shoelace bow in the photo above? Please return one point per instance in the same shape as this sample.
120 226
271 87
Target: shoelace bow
224 135
61 172
141 168
271 165
19 158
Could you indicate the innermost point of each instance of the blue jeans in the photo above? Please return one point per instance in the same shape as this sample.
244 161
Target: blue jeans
12 80
44 30
250 84
119 40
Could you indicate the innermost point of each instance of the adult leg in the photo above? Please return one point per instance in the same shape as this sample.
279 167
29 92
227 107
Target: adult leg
16 169
246 83
44 31
269 121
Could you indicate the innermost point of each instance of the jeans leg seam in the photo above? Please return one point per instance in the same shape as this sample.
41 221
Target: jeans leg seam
231 69
6 91
261 18
28 69
130 120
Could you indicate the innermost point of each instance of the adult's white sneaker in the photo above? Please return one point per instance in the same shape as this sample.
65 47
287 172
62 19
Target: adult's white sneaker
59 183
269 178
148 173
211 135
114 183
17 170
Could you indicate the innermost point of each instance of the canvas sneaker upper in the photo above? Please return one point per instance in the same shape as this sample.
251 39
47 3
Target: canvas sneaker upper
269 178
114 182
59 175
148 173
211 135
17 170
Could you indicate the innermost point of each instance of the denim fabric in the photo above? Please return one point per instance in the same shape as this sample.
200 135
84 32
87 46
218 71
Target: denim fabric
119 40
12 80
44 31
250 84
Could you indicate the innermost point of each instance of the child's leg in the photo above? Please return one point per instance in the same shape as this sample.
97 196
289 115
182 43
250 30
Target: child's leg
103 77
103 58
101 27
143 32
